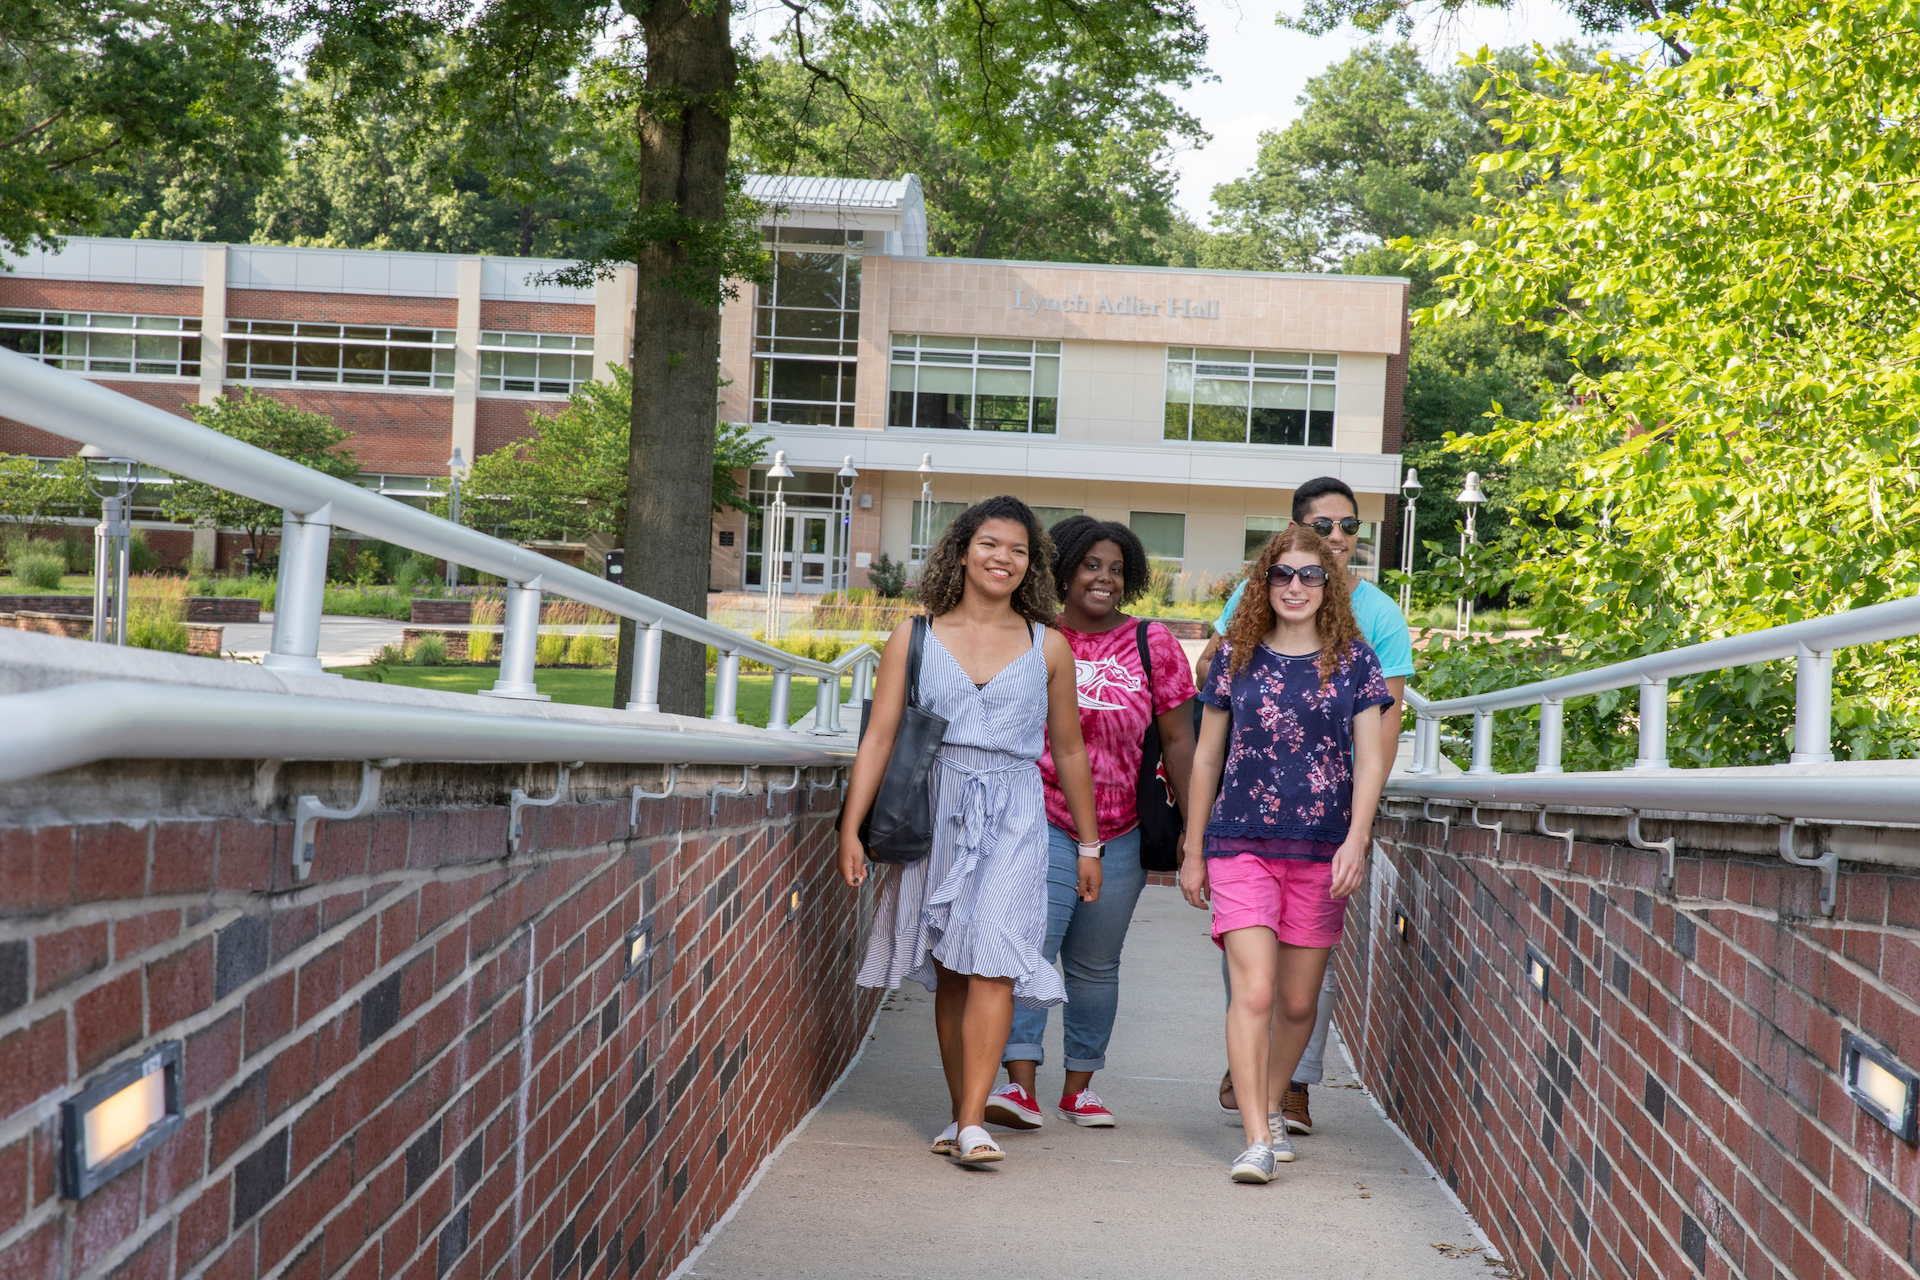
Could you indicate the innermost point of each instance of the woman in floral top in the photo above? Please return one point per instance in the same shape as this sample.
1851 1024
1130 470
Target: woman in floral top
1293 704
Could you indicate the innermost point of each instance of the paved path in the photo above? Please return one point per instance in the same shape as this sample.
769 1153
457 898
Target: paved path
857 1194
344 641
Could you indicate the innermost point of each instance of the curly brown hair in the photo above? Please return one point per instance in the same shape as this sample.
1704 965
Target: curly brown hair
944 580
1254 618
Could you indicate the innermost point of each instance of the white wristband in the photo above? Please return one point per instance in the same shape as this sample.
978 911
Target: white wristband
1095 850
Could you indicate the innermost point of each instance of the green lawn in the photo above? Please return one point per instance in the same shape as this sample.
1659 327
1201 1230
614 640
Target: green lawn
587 688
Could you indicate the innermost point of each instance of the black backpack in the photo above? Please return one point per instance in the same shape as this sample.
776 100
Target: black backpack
1159 812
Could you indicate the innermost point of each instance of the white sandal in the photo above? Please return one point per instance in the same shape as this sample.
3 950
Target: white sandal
948 1143
976 1146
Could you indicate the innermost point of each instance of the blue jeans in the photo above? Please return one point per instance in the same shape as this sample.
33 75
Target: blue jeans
1087 937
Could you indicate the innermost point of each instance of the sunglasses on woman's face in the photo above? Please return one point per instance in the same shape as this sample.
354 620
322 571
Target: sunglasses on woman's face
1349 525
1310 575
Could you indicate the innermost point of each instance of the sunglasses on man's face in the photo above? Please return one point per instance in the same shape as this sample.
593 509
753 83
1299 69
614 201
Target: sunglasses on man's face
1349 525
1310 575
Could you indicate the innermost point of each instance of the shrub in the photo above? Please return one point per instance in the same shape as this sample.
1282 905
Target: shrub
487 612
140 557
35 569
77 548
157 613
390 655
889 577
429 650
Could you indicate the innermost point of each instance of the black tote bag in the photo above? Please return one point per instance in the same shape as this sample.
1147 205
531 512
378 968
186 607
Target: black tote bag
1159 812
898 829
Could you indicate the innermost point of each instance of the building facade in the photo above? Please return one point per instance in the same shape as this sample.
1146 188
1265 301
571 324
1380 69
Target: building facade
1186 403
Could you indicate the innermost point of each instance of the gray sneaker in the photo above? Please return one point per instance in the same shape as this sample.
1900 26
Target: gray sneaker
1255 1164
1282 1145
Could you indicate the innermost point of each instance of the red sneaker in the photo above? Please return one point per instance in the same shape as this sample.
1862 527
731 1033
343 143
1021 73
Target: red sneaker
1086 1110
1014 1107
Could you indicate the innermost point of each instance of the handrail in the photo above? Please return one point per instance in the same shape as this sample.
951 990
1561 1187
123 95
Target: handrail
67 405
76 724
1810 644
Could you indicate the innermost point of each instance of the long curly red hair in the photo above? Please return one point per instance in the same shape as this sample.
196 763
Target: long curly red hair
1254 618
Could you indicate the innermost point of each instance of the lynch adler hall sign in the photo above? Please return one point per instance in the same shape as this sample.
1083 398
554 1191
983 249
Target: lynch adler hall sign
1127 304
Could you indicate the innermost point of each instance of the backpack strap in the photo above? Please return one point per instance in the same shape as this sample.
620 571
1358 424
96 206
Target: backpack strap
1146 660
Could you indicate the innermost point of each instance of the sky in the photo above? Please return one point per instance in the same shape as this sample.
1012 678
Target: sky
1263 68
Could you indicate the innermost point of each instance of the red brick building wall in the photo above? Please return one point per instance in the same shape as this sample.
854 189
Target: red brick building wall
340 308
105 297
425 1061
536 317
1673 1106
499 421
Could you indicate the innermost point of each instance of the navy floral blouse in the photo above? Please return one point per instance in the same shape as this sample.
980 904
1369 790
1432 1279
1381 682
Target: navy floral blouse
1289 770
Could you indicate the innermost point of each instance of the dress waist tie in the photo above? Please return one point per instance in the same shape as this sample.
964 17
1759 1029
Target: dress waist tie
974 816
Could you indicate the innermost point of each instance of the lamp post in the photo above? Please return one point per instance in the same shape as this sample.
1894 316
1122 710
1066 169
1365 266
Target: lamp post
1470 498
774 541
843 522
1410 489
454 467
112 539
926 507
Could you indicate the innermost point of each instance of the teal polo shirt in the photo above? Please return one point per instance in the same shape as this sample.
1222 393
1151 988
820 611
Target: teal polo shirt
1379 619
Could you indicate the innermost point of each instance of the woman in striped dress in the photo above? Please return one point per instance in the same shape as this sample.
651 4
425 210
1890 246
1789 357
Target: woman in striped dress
969 920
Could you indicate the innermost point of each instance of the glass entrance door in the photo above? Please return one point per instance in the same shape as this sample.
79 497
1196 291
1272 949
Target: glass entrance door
810 536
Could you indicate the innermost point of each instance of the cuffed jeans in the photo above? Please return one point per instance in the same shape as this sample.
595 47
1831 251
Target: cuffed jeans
1086 938
1313 1058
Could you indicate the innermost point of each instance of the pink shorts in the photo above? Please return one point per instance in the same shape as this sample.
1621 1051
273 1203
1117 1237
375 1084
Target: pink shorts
1287 895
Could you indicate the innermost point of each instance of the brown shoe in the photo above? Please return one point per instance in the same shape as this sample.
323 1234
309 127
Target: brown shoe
1227 1102
1293 1105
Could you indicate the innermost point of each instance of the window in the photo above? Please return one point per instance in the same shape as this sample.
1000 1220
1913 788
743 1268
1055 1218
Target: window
352 354
977 384
806 328
938 515
547 364
1229 396
1162 533
1260 531
81 342
1051 516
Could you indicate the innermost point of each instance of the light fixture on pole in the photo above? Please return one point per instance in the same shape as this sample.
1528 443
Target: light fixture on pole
926 507
1470 498
454 467
843 522
1410 489
773 541
112 540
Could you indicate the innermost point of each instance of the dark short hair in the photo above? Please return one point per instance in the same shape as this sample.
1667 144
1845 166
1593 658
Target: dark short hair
1075 536
1320 487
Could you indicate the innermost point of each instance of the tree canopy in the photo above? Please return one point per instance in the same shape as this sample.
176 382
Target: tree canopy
1726 248
94 93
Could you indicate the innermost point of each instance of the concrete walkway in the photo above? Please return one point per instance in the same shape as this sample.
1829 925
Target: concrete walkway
344 640
857 1194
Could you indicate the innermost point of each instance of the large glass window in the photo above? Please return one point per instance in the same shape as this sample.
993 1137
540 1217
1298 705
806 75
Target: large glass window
1051 516
353 354
1162 533
930 520
546 364
82 342
1230 396
806 328
974 384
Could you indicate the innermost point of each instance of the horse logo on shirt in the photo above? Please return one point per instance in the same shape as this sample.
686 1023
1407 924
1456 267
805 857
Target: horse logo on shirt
1100 684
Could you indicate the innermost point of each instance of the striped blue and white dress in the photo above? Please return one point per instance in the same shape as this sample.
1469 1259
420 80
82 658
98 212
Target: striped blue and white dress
978 902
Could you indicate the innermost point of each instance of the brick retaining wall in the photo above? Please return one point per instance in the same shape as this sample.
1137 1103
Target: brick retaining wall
199 608
1673 1106
425 1061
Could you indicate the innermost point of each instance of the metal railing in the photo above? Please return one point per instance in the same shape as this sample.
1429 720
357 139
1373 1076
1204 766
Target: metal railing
1773 793
70 406
1810 644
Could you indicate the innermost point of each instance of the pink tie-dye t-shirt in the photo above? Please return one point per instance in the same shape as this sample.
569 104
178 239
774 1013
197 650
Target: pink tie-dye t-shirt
1114 712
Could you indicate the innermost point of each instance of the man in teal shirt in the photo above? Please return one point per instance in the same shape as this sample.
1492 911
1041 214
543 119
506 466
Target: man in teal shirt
1327 506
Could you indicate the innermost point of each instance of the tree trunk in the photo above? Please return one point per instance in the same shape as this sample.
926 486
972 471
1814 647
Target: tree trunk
684 133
